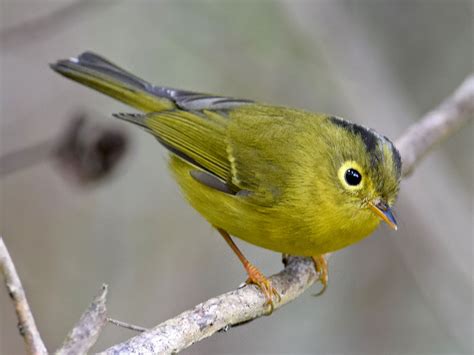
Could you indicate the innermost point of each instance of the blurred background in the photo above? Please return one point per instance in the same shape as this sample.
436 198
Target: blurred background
381 63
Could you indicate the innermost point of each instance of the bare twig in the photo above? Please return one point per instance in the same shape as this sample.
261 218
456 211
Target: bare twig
86 332
26 322
129 326
437 125
247 303
231 308
25 158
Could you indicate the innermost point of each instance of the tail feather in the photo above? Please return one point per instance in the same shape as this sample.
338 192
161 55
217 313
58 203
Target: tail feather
190 125
101 65
100 74
135 118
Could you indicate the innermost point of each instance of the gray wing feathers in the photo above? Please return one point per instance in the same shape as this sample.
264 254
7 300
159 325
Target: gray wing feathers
198 102
211 181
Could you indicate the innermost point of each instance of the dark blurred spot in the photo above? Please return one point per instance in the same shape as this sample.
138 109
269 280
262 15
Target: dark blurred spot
21 329
89 152
10 292
225 329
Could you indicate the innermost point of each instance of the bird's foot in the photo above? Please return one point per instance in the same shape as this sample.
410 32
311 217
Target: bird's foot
321 265
257 278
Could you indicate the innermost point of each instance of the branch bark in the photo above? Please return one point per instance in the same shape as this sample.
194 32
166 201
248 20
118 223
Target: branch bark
87 330
26 322
436 125
247 303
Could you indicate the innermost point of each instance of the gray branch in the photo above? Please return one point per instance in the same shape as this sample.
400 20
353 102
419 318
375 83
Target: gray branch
26 322
247 303
219 313
87 330
437 125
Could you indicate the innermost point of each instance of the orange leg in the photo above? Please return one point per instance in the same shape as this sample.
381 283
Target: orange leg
255 276
321 265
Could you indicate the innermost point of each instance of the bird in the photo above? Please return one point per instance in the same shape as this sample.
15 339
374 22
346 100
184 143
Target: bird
281 178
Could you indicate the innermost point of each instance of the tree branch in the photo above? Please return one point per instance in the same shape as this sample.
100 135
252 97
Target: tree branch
26 322
218 313
87 330
247 303
118 323
437 125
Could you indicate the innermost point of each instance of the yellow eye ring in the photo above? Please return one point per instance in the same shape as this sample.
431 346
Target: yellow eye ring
351 175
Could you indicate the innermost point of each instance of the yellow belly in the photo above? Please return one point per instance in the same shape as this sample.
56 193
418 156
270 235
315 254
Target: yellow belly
277 228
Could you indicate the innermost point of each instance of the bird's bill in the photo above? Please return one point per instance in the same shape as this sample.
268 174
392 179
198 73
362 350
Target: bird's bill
384 213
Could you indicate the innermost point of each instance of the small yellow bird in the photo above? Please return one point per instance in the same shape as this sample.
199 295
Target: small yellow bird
287 180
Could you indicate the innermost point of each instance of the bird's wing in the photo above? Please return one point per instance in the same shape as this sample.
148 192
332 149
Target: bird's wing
198 137
248 150
266 149
241 146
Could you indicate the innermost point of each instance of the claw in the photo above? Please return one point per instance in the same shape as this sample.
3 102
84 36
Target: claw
257 278
321 266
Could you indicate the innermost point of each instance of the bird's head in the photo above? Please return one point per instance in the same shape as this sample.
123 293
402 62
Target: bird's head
366 169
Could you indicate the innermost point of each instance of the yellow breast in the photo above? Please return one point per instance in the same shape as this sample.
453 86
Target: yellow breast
307 231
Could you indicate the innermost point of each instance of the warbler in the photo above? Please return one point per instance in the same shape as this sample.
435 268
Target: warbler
287 180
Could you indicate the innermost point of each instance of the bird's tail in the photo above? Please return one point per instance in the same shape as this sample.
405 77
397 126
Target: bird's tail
98 73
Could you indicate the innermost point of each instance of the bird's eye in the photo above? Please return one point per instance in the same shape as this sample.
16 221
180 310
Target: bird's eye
352 177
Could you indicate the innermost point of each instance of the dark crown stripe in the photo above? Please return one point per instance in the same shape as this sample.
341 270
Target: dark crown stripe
369 138
397 160
371 141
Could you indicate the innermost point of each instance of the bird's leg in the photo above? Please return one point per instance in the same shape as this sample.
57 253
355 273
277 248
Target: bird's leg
321 265
255 276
